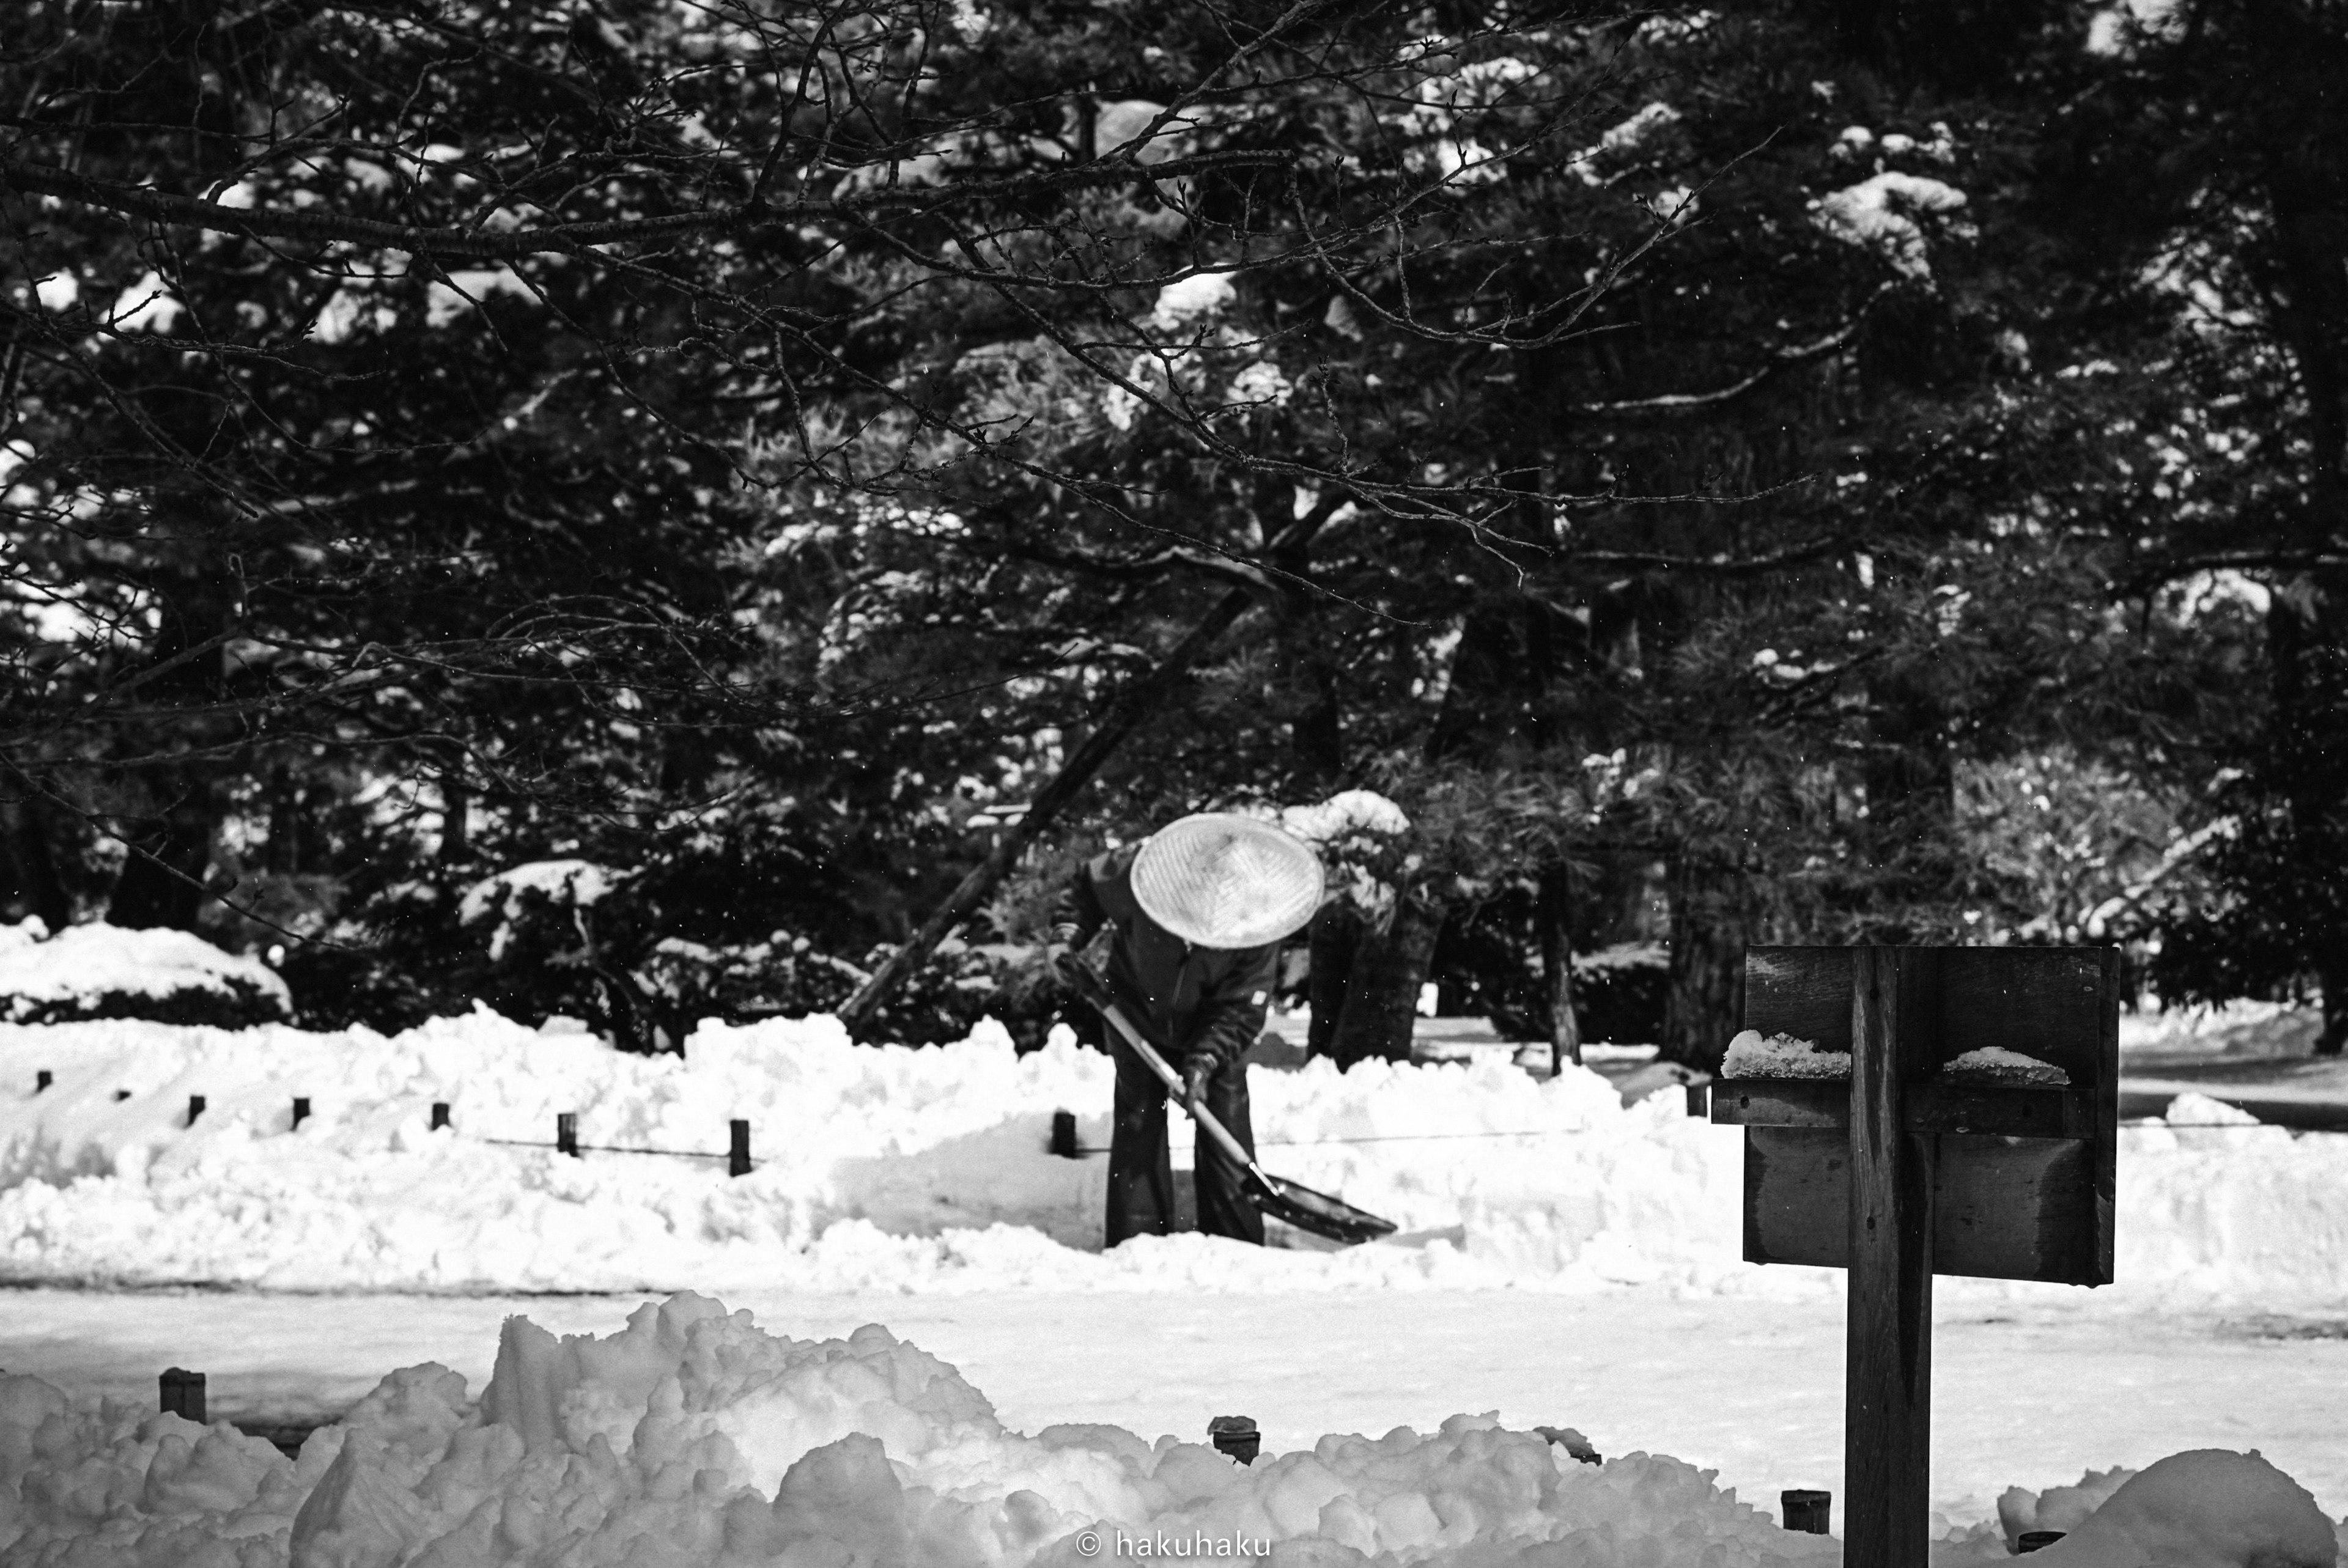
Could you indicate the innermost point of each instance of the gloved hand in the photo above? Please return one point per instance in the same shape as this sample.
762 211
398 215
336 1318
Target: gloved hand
1197 1068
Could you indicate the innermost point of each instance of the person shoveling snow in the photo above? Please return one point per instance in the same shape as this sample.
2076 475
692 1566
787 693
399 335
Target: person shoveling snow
1196 911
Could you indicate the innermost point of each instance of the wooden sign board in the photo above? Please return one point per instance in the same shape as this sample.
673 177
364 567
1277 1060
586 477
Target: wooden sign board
1904 1170
2022 1180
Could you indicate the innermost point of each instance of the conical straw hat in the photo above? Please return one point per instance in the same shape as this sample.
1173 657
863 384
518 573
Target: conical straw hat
1225 881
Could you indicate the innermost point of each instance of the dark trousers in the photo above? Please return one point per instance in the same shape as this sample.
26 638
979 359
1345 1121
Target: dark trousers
1141 1172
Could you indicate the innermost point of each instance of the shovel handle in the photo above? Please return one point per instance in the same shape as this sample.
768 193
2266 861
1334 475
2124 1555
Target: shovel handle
1097 993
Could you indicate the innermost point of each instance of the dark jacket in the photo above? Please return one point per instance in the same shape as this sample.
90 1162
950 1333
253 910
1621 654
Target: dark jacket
1188 1000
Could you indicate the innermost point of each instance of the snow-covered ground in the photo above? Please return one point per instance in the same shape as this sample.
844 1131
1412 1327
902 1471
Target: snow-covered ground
1565 1260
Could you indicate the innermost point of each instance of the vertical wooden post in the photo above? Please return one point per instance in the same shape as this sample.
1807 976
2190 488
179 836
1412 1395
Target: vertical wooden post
1064 1134
195 1108
1888 1398
41 1081
566 1132
183 1393
738 1148
1553 912
301 1109
440 1115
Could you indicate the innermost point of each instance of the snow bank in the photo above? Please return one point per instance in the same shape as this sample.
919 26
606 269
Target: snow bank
2238 1029
892 1168
98 970
2209 1508
694 1437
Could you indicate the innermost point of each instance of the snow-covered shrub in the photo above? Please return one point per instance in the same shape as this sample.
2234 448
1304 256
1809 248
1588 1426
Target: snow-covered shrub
98 970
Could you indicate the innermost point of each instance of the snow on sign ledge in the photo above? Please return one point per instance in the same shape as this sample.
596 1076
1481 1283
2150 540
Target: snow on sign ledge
1781 1056
102 971
1995 1064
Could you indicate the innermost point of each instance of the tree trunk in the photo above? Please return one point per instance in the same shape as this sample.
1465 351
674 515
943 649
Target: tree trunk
1552 911
1336 935
1381 998
455 798
1704 997
161 883
162 880
282 856
39 888
2332 974
1912 805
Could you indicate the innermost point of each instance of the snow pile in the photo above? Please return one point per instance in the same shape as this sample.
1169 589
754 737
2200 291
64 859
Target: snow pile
1201 296
510 894
2066 1508
1343 815
876 1165
1880 213
2193 1110
1781 1056
694 1437
101 971
890 1168
1995 1064
2209 1508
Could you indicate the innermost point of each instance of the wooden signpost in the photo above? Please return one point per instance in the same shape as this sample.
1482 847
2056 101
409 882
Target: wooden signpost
1907 1171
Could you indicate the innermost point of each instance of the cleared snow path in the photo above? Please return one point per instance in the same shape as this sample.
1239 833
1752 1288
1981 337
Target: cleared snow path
2025 1394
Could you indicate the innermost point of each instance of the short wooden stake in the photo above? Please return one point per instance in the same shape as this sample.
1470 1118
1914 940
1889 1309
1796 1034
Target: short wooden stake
1699 1100
41 1081
440 1115
1064 1134
195 1108
301 1109
738 1148
566 1134
184 1394
1887 1391
1806 1510
1235 1436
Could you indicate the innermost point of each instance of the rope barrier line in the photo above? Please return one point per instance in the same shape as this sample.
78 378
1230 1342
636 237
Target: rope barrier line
1089 1152
605 1149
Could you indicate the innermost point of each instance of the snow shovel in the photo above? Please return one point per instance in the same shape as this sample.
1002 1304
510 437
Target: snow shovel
1299 1205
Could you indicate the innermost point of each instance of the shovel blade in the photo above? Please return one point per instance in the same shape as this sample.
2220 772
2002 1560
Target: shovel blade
1318 1212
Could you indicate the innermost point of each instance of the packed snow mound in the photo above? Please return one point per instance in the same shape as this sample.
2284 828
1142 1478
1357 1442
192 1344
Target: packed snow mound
2209 1508
102 971
692 1436
1781 1056
2064 1507
900 1169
